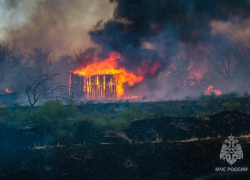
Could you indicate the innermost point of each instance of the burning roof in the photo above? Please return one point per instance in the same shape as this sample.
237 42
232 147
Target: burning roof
104 79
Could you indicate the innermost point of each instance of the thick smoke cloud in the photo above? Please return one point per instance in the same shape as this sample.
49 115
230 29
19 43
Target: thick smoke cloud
61 26
136 22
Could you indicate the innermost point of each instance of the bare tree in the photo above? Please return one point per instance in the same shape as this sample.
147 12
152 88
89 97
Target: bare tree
5 53
44 87
11 66
40 60
180 74
231 62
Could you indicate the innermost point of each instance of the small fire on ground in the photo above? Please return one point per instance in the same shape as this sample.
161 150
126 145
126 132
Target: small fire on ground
211 89
8 90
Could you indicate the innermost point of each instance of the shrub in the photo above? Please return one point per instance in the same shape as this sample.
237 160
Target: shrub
203 114
58 120
202 97
236 107
13 119
122 120
4 112
230 95
160 109
18 119
176 110
111 108
99 122
147 112
232 106
48 115
226 105
135 110
204 105
246 95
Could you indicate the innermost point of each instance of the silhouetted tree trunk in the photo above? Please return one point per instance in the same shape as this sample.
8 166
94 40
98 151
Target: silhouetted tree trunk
44 87
5 53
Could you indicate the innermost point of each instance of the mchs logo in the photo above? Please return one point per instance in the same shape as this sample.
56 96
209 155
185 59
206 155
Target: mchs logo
231 151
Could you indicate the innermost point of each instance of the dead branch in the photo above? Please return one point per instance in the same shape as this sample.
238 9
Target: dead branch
44 87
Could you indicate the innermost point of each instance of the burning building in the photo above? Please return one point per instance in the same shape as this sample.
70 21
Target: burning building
94 87
102 79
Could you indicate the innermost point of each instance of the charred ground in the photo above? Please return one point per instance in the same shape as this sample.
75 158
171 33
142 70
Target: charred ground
123 140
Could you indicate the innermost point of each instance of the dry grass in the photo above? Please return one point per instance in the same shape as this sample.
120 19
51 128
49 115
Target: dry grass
38 146
195 139
158 140
244 136
123 136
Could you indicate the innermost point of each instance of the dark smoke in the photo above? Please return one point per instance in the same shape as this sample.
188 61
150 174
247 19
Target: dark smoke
136 22
169 29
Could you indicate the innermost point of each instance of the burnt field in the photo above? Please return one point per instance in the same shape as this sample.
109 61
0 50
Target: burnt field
165 160
115 141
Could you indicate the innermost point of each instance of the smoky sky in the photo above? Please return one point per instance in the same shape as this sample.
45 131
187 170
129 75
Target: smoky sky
61 26
138 29
146 29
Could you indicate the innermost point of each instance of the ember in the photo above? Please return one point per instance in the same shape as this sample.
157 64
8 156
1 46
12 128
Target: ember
8 90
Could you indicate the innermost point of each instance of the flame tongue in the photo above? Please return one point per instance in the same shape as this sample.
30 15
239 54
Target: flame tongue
110 66
212 89
8 90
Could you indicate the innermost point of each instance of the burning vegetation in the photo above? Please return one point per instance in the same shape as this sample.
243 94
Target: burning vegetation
8 90
211 89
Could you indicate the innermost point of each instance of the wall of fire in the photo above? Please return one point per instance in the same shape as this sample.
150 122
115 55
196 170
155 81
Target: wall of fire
94 87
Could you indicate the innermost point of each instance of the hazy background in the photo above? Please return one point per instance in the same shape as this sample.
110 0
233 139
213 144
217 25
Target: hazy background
52 24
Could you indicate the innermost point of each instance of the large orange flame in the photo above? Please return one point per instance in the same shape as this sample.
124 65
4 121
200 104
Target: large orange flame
149 70
110 66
